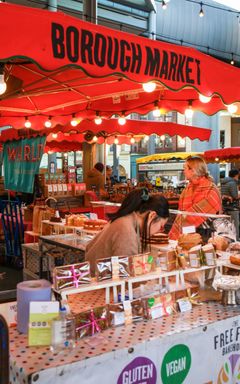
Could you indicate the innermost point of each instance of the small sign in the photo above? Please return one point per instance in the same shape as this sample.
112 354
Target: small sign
189 229
128 312
184 304
41 314
115 267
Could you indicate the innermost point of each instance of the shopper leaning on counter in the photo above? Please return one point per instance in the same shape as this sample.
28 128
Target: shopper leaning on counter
140 216
201 195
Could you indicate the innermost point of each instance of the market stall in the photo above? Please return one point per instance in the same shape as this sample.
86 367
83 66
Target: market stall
50 77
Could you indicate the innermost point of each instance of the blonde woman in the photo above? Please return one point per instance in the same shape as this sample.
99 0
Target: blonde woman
201 195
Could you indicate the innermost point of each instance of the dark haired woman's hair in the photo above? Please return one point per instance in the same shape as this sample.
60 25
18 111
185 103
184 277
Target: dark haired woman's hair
99 167
139 200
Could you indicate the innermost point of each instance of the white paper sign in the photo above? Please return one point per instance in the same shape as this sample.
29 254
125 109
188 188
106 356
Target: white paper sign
189 229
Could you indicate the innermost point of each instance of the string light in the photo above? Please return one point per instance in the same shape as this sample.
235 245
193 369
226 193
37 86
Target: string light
156 112
116 141
149 87
95 139
146 138
189 111
132 140
98 119
122 120
201 13
232 108
74 121
27 123
54 135
232 61
204 99
48 123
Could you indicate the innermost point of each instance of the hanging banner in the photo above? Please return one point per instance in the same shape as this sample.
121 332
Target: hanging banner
54 40
21 159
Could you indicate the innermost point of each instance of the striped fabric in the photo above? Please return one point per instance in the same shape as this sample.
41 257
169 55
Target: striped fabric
202 196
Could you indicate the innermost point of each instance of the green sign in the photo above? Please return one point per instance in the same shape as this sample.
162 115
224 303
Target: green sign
176 365
21 159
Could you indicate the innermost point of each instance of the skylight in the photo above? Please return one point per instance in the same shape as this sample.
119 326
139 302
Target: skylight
235 4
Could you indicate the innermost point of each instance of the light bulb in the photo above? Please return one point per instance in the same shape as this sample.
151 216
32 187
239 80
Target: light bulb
232 108
27 123
162 137
98 120
3 85
188 113
122 120
204 99
146 139
232 62
116 141
54 135
132 140
164 5
156 112
216 159
95 138
74 121
48 123
201 13
50 152
149 87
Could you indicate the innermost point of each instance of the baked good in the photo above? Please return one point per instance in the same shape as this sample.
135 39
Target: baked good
159 238
55 219
94 224
189 240
235 259
234 246
220 243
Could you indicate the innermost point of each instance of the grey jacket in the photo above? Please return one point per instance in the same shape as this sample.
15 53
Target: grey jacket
229 187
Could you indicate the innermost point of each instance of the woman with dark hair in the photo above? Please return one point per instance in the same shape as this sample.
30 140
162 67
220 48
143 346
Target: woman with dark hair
140 216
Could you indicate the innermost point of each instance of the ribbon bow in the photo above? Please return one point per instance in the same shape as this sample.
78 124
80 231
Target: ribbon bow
92 322
75 274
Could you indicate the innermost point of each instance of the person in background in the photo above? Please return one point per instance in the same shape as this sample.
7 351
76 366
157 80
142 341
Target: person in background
229 191
140 216
109 178
95 178
201 195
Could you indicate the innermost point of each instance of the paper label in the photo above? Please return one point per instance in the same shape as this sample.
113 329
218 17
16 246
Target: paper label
119 318
55 188
184 304
194 262
64 187
189 229
41 314
210 259
127 311
49 187
115 267
60 187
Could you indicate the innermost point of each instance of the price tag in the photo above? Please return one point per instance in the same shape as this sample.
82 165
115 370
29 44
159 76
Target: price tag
210 259
128 311
64 187
115 267
184 304
189 229
55 188
60 187
50 188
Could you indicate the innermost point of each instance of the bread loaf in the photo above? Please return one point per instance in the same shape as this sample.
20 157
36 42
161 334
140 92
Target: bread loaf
235 259
220 243
189 240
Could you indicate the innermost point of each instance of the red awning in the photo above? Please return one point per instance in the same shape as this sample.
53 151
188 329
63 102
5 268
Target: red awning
109 128
222 155
57 65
